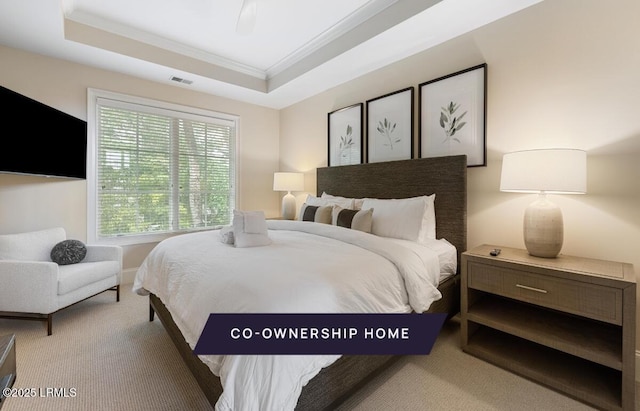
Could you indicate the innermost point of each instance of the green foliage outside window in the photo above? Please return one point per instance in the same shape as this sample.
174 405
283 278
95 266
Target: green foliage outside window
160 174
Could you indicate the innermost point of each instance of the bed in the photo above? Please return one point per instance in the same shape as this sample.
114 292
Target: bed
443 176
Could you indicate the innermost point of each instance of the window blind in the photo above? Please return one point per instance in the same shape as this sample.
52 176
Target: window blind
161 171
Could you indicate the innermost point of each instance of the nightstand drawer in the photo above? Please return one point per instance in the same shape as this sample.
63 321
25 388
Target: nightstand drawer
589 300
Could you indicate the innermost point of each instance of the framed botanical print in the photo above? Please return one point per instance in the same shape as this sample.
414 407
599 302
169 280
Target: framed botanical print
390 126
453 115
345 136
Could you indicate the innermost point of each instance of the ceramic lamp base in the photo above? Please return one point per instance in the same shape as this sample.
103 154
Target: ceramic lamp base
543 228
288 206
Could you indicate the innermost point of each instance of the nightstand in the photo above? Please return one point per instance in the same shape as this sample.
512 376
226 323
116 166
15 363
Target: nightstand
566 322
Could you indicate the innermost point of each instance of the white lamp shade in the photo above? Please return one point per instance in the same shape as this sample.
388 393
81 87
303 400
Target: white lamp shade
558 171
288 182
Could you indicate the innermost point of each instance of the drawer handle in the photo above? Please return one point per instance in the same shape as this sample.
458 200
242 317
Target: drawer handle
538 290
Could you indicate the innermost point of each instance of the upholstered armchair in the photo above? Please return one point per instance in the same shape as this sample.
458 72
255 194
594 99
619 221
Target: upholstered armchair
33 286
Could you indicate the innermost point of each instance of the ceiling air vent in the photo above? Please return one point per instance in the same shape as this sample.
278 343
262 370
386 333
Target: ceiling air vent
181 80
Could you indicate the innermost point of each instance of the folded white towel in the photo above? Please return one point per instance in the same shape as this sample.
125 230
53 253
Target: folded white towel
250 229
226 234
255 222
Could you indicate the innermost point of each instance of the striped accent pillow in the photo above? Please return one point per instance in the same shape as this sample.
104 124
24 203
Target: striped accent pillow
317 214
354 219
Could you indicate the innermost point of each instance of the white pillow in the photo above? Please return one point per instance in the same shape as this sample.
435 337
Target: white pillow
357 202
342 202
410 219
250 229
428 230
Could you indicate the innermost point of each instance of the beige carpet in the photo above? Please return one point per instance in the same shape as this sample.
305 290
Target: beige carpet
115 359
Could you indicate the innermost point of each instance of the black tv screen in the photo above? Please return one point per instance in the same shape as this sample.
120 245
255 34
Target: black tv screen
44 141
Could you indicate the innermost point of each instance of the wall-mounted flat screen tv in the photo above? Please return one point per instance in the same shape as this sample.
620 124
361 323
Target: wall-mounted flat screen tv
43 140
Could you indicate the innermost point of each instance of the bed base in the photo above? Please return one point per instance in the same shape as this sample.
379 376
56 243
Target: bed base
208 382
332 385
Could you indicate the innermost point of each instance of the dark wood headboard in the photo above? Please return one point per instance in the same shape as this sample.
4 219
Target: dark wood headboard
444 176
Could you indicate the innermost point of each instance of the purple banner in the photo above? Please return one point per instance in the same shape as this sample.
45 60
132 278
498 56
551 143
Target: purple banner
353 334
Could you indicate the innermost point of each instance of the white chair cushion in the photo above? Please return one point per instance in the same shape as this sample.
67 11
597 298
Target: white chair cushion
74 276
31 246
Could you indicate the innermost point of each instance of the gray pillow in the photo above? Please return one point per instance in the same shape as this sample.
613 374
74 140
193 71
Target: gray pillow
68 252
316 214
355 219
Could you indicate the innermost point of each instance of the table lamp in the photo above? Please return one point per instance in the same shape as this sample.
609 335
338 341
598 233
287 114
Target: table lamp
288 182
544 171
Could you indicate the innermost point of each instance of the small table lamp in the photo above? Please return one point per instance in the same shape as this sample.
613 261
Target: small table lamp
288 182
555 171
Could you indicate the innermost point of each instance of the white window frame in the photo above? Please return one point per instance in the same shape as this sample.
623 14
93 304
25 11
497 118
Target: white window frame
93 95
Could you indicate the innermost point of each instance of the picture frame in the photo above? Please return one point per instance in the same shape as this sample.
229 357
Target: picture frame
345 135
453 116
390 126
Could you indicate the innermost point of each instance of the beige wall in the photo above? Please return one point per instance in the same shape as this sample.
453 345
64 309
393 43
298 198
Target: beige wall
31 203
563 73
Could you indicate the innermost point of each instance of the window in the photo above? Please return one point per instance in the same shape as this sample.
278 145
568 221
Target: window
156 169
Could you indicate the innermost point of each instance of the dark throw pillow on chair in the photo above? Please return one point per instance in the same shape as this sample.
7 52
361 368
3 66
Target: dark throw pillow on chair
68 252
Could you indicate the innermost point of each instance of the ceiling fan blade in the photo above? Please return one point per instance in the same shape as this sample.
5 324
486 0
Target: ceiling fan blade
247 18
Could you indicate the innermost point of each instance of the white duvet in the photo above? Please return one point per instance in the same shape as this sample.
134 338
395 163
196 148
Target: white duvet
308 268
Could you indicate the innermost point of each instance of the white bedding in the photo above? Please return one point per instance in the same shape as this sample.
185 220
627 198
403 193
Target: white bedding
447 254
308 268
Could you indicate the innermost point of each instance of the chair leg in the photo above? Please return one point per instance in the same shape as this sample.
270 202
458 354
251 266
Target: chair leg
118 293
49 323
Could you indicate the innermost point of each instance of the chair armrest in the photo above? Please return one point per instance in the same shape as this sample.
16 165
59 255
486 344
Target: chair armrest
28 286
103 253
